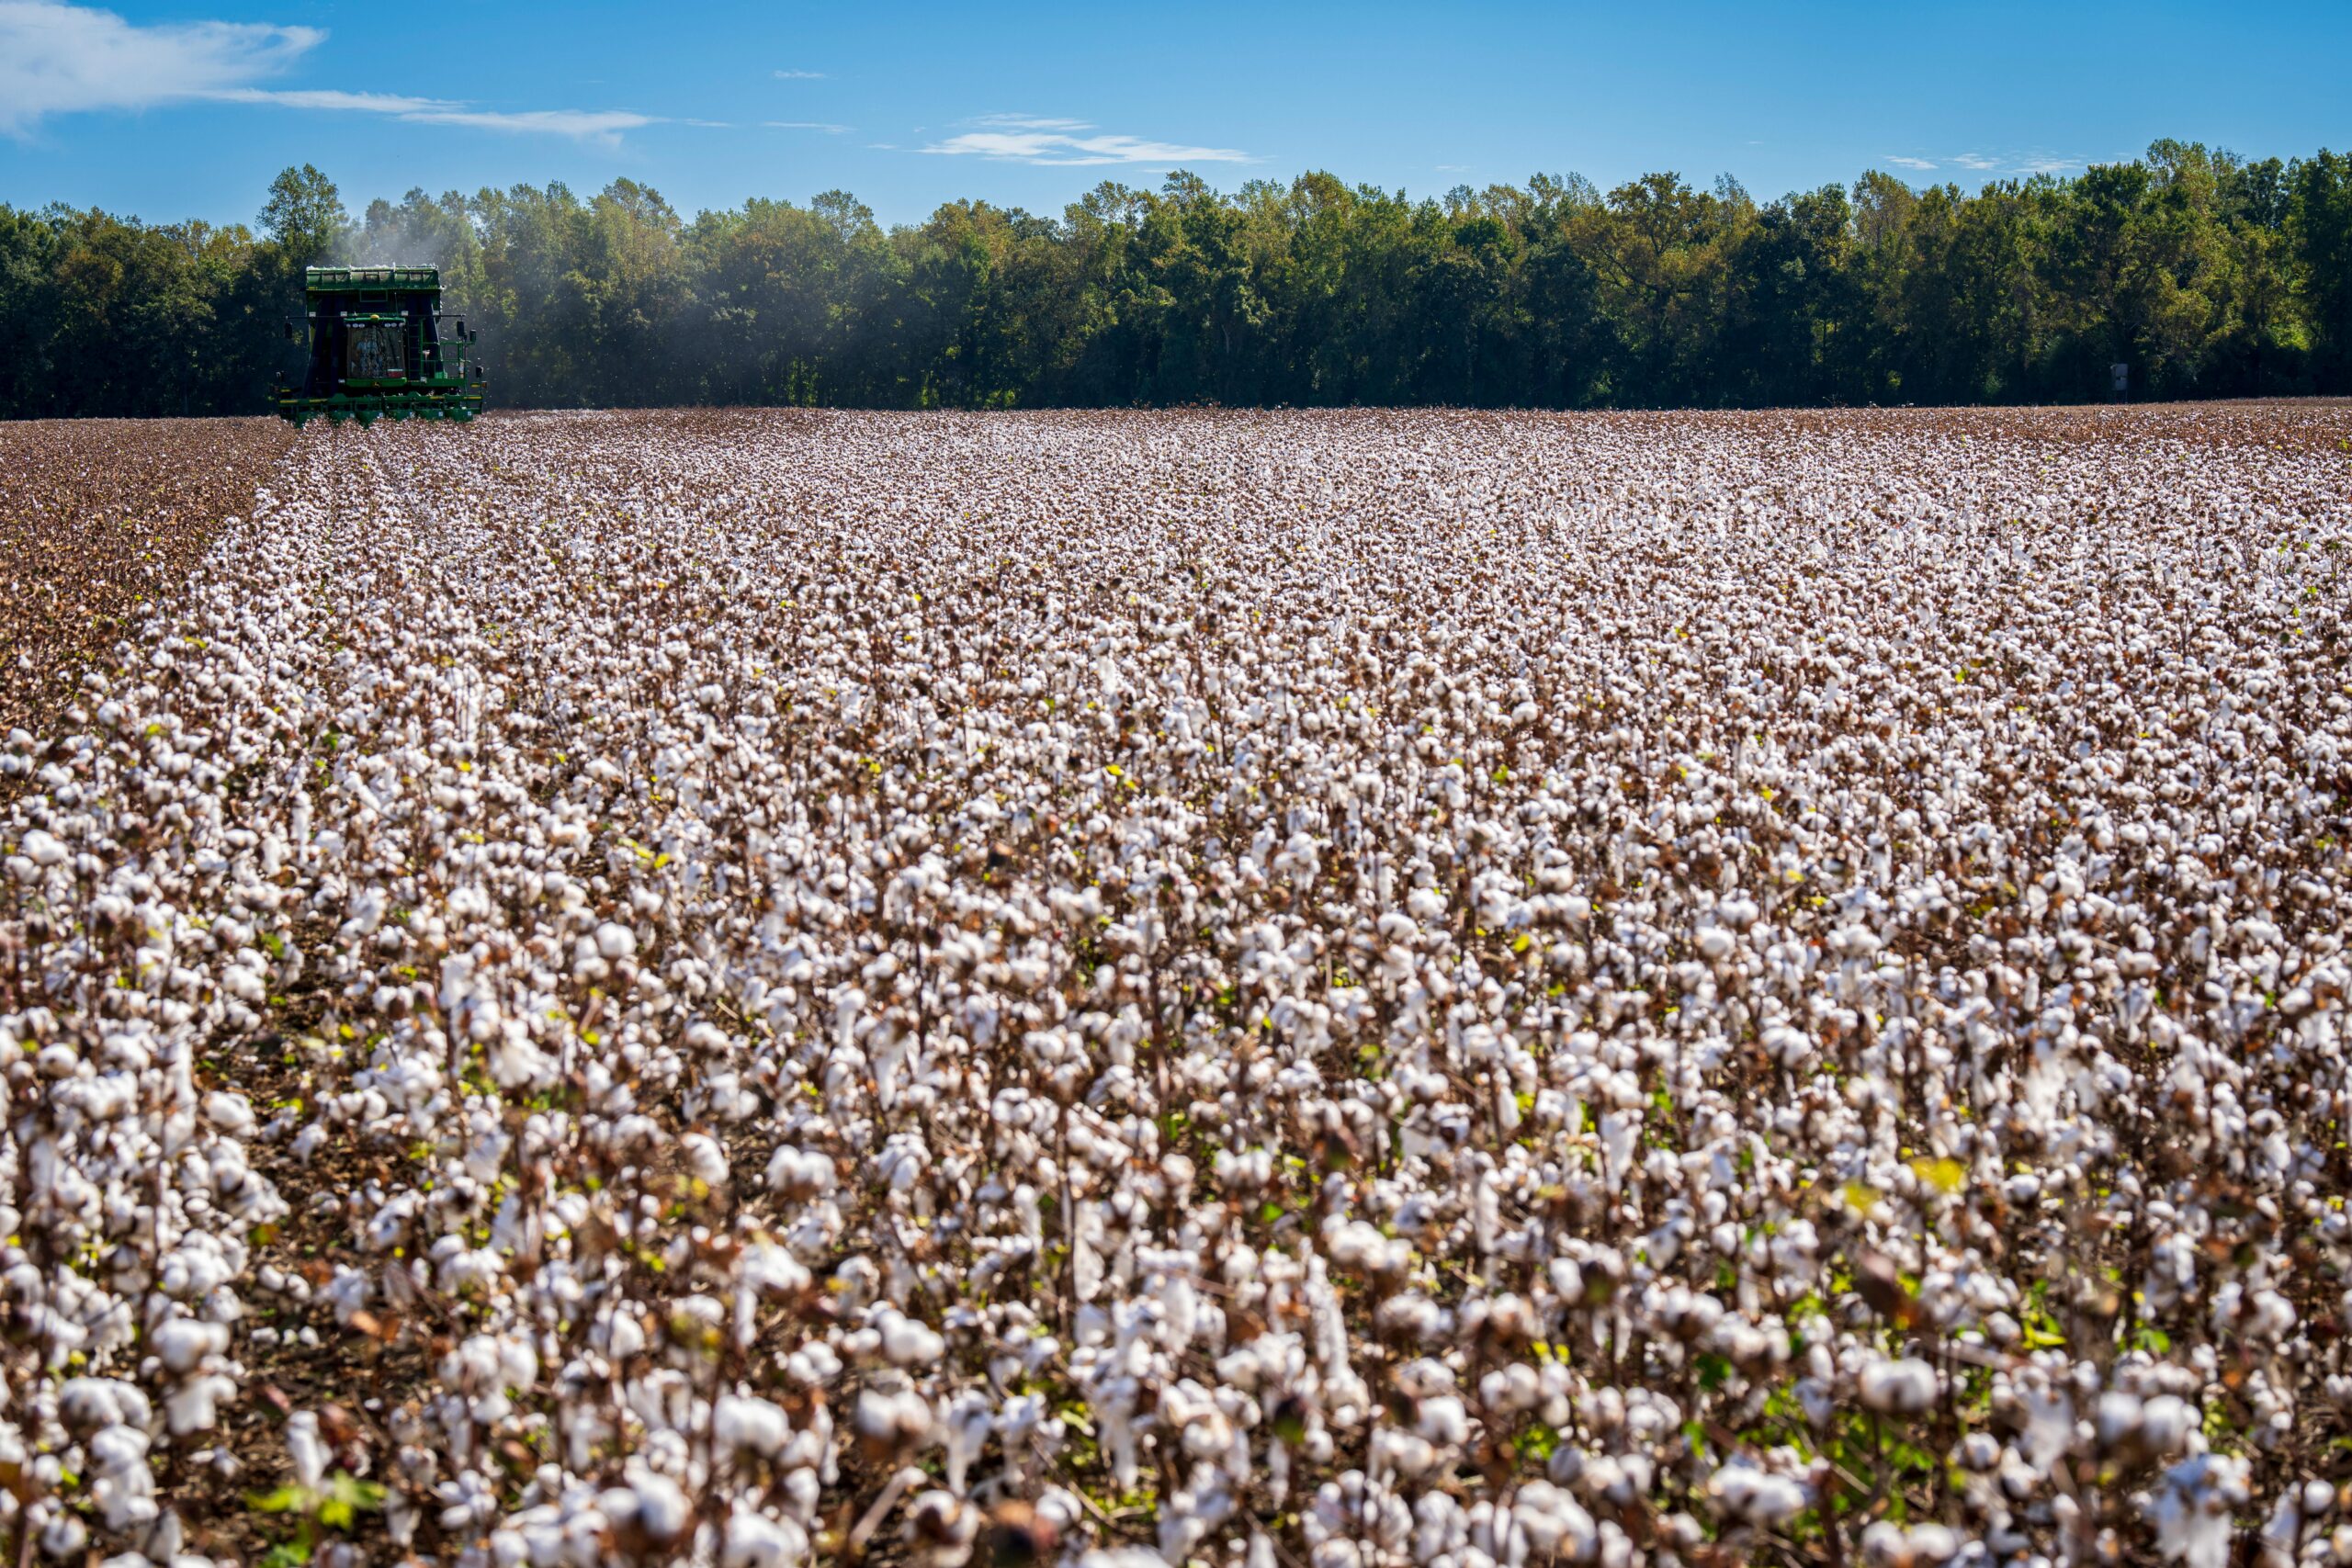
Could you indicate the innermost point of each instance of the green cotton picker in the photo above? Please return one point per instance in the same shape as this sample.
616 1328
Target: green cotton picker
376 347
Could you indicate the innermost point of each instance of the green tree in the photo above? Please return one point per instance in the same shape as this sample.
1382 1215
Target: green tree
304 216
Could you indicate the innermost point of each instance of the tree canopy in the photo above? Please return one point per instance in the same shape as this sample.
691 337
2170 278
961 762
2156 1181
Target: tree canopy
2207 274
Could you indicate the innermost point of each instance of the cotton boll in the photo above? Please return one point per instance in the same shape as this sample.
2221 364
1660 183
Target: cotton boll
182 1343
705 1158
905 1342
1443 1421
64 1537
800 1174
749 1425
1552 1522
753 1541
1905 1387
2166 1423
1754 1496
661 1509
941 1529
307 1450
193 1406
888 1424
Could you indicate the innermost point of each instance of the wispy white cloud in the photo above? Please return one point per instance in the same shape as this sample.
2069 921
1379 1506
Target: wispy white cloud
587 125
1027 122
798 75
2001 163
1058 143
602 126
828 128
62 59
57 58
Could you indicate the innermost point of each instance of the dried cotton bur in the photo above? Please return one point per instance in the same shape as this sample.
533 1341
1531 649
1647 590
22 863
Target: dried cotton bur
1286 990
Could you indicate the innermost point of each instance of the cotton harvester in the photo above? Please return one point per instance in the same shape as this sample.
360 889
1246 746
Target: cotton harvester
377 346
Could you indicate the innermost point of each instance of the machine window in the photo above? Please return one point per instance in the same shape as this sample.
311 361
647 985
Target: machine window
376 351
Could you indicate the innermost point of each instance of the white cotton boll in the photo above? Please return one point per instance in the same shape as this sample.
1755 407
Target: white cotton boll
705 1160
306 1448
1407 1453
746 1424
2166 1423
232 1114
1745 1492
625 1337
118 1450
87 1402
969 1426
890 1421
1553 1521
191 1407
813 1365
767 1267
615 941
1884 1545
1932 1543
799 1175
908 1343
753 1541
182 1343
2269 1316
941 1530
660 1509
2117 1416
42 847
64 1537
1443 1421
1897 1388
2193 1509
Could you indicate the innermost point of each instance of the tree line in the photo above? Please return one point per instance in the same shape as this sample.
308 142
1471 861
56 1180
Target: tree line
2209 275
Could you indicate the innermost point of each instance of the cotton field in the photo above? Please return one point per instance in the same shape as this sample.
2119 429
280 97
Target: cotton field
1270 991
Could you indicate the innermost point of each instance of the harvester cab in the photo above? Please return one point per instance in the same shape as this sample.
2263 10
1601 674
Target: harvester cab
378 346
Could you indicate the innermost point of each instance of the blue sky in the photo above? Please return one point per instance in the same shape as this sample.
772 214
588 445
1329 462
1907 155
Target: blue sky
186 108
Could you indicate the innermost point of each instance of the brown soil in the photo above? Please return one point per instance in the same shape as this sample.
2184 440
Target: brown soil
99 517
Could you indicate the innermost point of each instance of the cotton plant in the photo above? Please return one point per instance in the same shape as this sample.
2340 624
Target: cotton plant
757 989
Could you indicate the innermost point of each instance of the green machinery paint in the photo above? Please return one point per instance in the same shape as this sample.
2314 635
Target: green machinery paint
378 348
